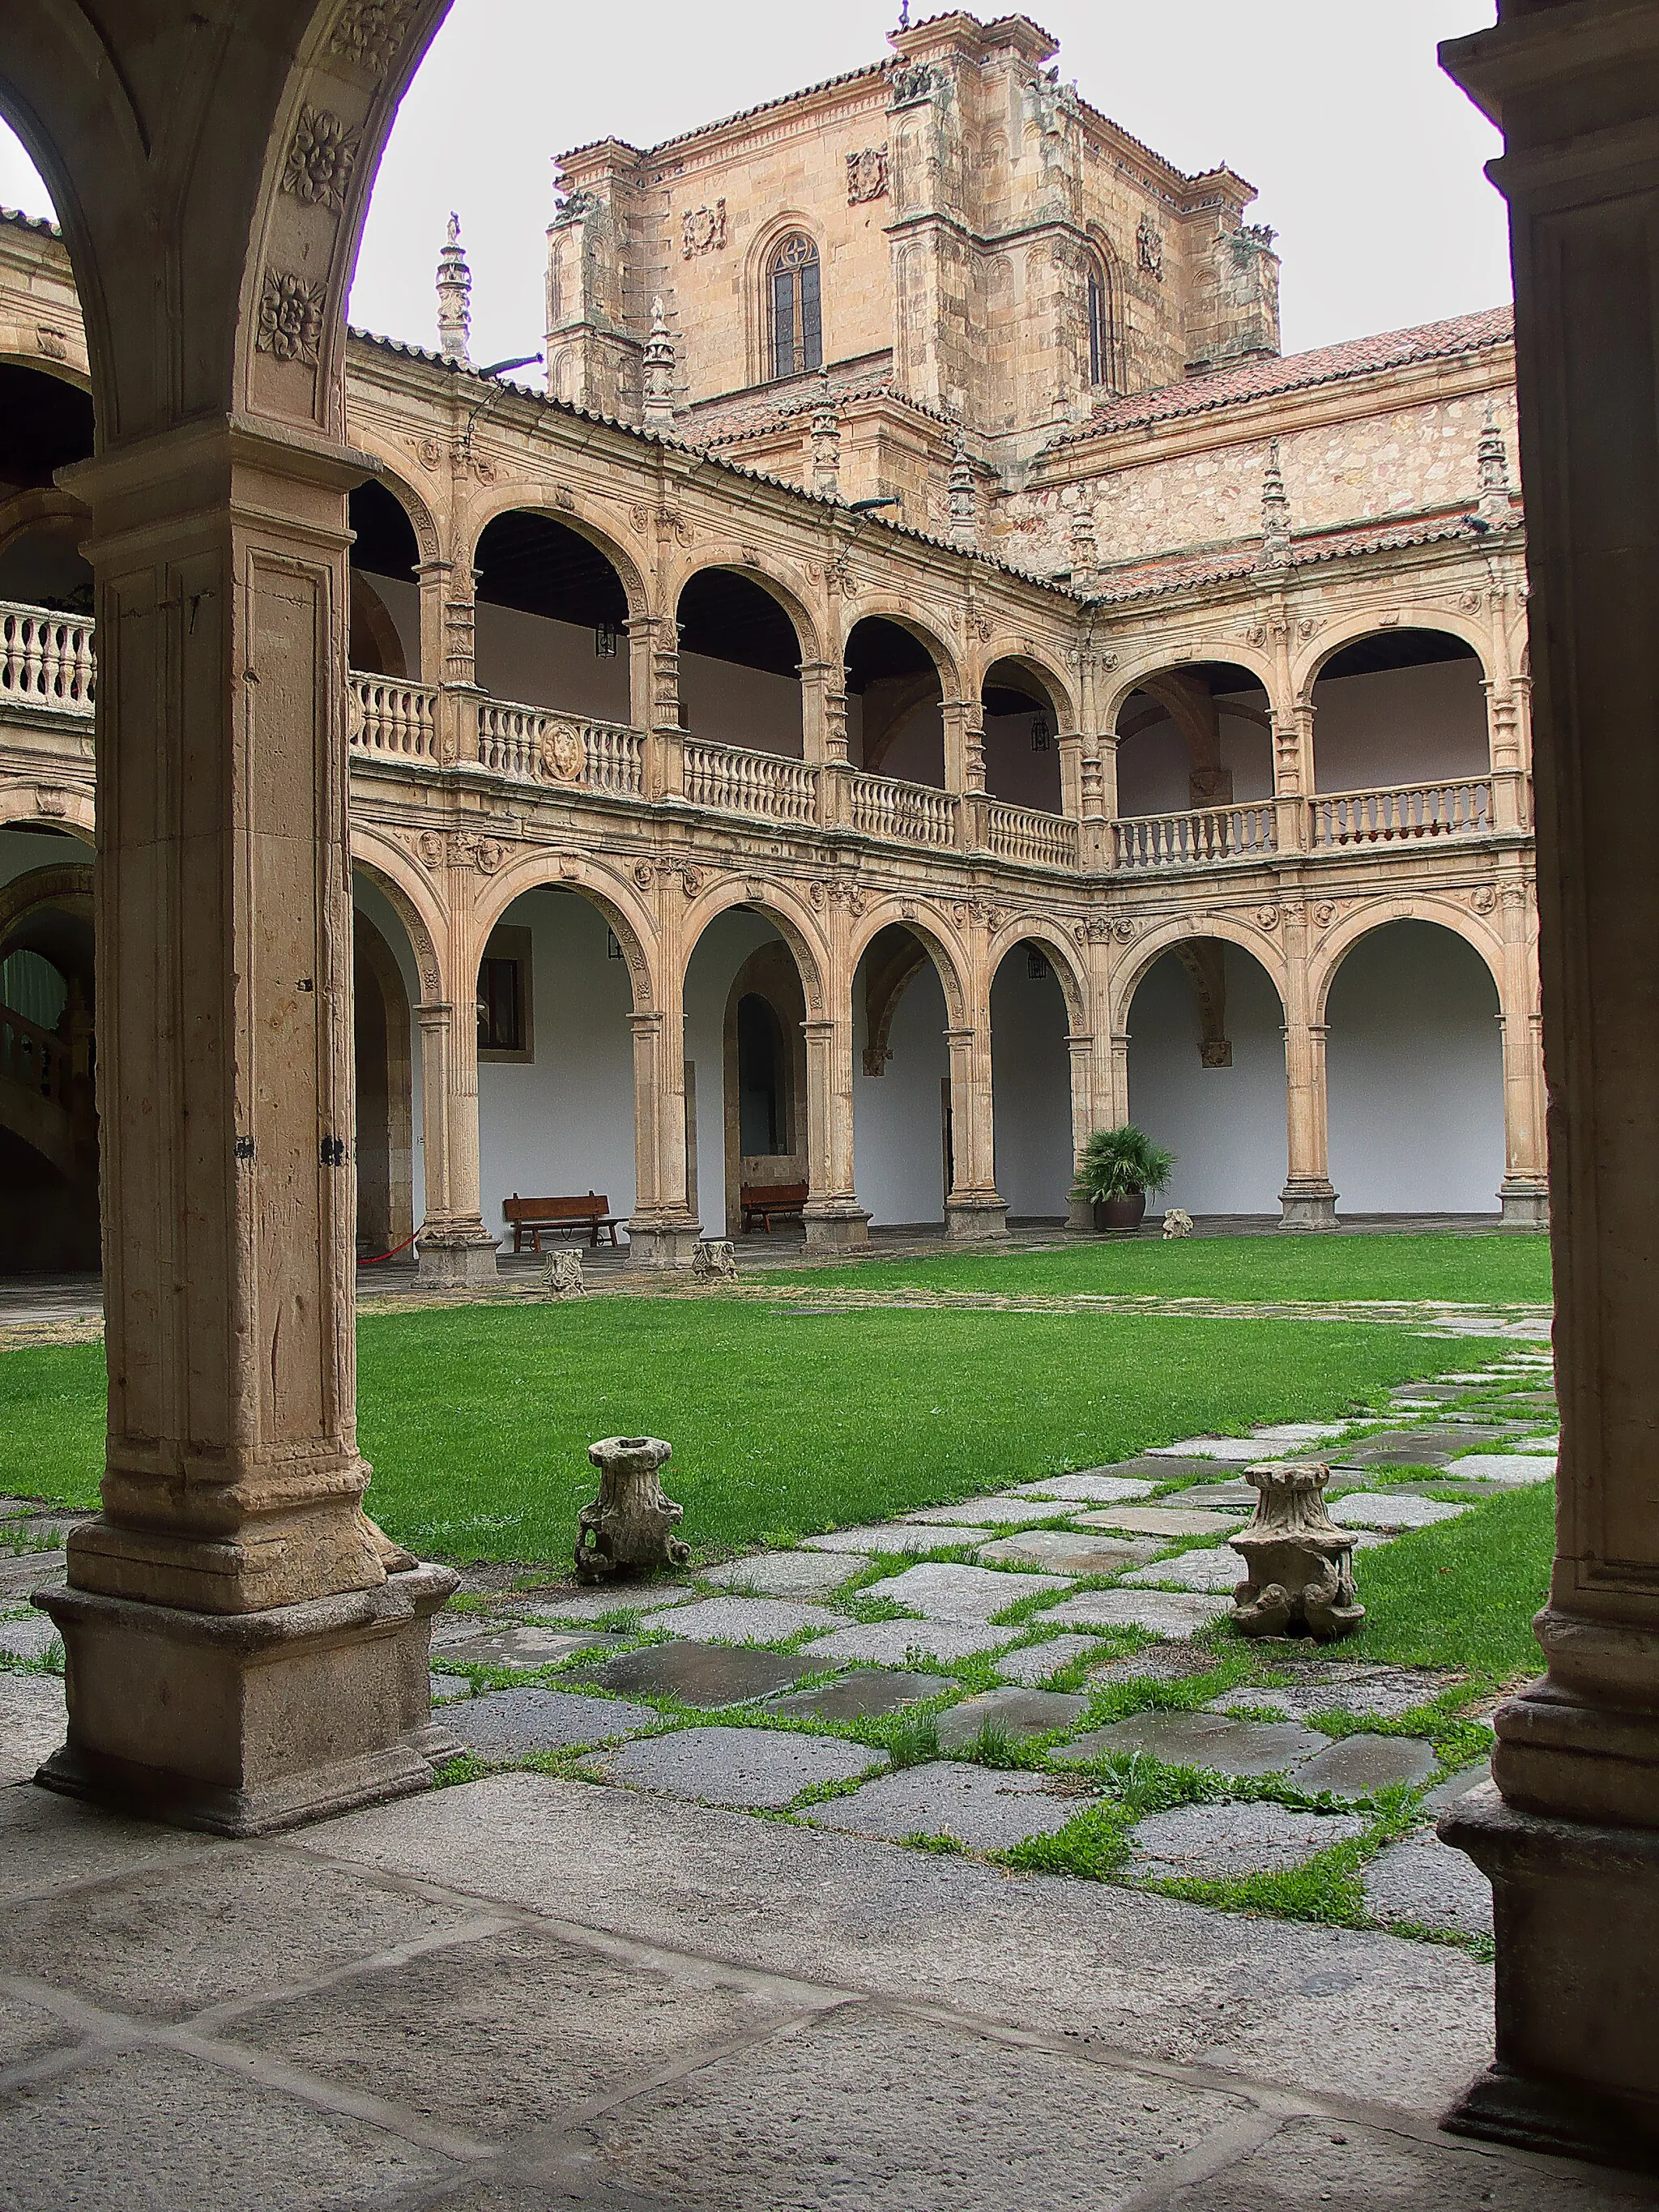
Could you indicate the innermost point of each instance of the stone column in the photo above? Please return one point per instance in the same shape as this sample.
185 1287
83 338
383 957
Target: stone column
454 1245
455 588
433 578
1080 1215
1071 776
1307 1200
245 1650
1524 1195
662 1230
664 775
973 1210
835 1219
1570 1834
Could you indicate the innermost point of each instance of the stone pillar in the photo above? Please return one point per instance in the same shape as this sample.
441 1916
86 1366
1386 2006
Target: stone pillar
1524 1195
835 1219
245 1650
665 733
433 578
1080 1215
459 694
1308 1200
454 1246
1100 803
1570 1833
1071 777
662 1230
973 1210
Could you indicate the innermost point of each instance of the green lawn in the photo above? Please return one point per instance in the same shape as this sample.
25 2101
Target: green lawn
1497 1267
477 1418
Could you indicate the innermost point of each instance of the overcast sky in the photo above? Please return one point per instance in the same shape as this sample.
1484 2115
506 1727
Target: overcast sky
1368 161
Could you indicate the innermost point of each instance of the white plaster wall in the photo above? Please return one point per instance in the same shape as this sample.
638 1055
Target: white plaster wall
562 1123
898 1129
372 903
726 705
915 754
535 662
1031 1089
1155 766
402 601
1401 725
1414 1075
1014 772
1226 1126
719 952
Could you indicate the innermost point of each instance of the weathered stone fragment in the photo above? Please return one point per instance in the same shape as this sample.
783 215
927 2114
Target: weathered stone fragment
1299 1566
630 1527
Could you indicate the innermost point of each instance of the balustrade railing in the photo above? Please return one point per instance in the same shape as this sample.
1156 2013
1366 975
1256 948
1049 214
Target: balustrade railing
48 659
914 813
1025 833
735 781
34 1057
542 745
1179 840
1414 810
393 719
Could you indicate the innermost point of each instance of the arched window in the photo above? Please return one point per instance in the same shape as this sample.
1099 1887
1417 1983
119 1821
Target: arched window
1103 327
797 310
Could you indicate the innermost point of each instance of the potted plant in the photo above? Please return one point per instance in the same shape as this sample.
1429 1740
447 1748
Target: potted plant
1119 1167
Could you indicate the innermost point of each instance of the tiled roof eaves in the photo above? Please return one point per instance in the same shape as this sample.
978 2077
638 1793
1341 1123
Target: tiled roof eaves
40 225
400 347
1312 552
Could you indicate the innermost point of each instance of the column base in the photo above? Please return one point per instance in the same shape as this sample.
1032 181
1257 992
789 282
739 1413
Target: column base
456 1256
1526 1205
976 1220
659 1240
836 1225
1307 1206
1576 1912
1080 1215
243 1724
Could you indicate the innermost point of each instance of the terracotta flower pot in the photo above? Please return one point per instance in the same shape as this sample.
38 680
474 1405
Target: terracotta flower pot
1121 1213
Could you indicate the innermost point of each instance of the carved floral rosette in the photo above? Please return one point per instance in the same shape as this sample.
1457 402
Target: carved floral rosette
628 1530
1298 1564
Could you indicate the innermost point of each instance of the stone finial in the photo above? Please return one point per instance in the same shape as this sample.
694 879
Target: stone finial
1298 1564
964 497
1495 510
1275 553
826 442
1086 546
659 409
454 298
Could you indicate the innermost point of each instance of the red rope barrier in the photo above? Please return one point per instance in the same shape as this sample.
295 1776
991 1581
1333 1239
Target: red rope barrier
391 1254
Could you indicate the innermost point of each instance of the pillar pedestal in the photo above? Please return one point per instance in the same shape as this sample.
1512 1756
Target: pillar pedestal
1080 1215
1576 1918
244 1723
976 1220
1307 1205
835 1225
1526 1205
456 1256
663 1240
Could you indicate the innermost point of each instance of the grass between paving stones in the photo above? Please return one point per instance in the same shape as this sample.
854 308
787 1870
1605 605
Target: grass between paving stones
1495 1268
477 1418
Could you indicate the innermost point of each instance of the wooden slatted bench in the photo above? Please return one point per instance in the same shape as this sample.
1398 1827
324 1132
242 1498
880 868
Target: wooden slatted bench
772 1201
536 1218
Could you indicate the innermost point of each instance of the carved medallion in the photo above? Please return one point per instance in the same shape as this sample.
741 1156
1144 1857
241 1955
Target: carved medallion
321 156
562 753
370 32
703 230
290 317
866 175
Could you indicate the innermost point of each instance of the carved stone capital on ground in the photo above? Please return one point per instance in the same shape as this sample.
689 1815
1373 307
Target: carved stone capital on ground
715 1259
630 1527
1298 1565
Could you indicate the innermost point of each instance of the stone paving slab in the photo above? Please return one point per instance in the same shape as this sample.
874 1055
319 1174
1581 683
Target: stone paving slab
1379 1692
986 1810
1424 1447
1061 1552
32 1722
1425 1881
1218 1568
1017 1712
1205 1740
1508 1470
743 1768
782 1574
1158 1468
907 1643
39 1529
1373 1508
1231 1496
1219 1843
704 1674
897 1537
1161 1612
1360 1766
30 1570
508 1723
988 1513
743 1619
444 1689
609 1597
523 1645
1168 1522
1274 1443
1550 1444
1175 1661
1454 1786
943 1591
30 1638
865 1691
1094 1488
1033 1665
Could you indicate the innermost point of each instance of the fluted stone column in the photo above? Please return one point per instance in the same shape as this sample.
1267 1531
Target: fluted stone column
1307 1200
834 1219
662 1229
454 1245
973 1211
1569 1833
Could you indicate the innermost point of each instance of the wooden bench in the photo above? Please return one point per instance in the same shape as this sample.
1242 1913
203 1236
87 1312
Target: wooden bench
772 1201
535 1218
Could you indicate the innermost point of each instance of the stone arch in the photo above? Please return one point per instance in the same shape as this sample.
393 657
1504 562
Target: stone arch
390 478
1260 944
46 886
29 510
49 806
888 606
630 560
1162 662
372 622
1050 939
761 573
1037 668
557 872
395 876
66 372
947 953
1341 937
384 1091
795 921
1306 666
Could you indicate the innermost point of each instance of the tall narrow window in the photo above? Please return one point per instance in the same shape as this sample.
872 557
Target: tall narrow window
1103 327
796 311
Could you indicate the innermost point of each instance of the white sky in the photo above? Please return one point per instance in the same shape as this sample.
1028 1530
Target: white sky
1367 159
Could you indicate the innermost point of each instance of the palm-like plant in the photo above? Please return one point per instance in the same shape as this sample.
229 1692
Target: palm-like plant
1118 1162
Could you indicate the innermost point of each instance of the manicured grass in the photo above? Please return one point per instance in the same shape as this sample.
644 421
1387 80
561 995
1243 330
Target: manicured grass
1496 1268
1462 1594
477 1418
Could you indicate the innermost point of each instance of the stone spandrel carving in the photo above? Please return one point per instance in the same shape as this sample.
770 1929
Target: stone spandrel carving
321 156
866 175
628 1530
370 32
1298 1564
290 317
703 230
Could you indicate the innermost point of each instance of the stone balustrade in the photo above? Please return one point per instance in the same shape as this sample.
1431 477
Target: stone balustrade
1414 810
768 787
915 813
1029 836
1184 841
393 719
47 660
